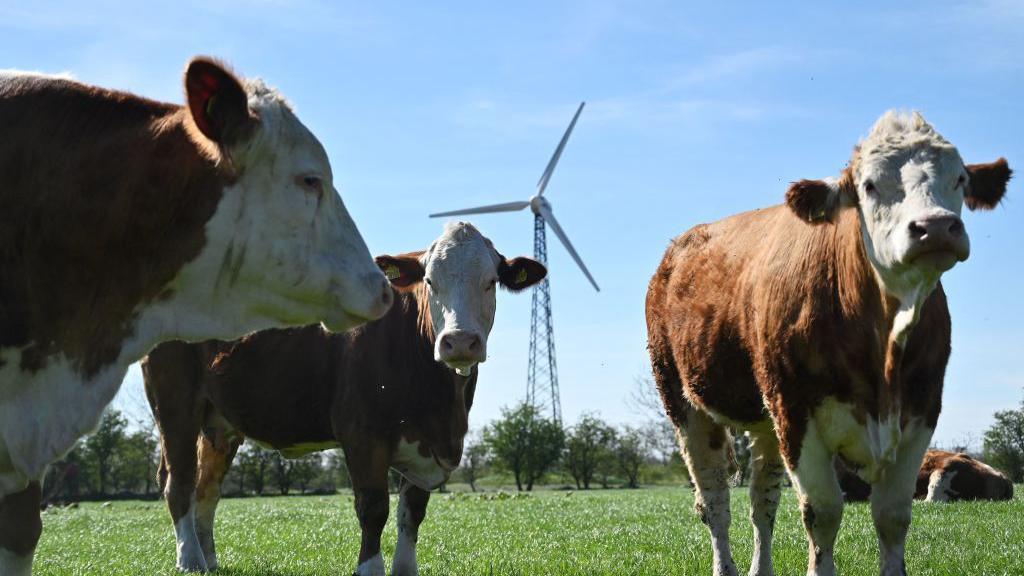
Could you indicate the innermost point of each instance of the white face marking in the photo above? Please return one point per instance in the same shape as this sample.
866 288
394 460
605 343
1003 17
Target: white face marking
462 277
906 173
190 553
281 248
940 486
372 567
13 565
423 471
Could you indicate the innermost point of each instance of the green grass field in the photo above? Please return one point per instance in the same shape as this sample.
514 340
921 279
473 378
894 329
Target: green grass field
651 531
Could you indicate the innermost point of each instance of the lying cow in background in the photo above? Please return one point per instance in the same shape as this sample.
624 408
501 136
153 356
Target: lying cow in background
950 476
821 328
943 477
395 393
126 222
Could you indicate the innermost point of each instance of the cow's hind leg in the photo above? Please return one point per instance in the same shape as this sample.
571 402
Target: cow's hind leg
412 508
171 372
215 458
892 498
821 501
766 476
705 446
20 528
368 468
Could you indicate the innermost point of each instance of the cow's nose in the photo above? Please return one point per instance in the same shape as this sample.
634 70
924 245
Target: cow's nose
461 345
385 296
938 229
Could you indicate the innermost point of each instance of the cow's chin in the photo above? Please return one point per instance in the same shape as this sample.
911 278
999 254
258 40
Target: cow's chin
937 260
339 321
463 369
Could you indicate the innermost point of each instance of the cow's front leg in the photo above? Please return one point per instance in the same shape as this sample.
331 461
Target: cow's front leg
412 508
892 498
20 528
368 468
821 501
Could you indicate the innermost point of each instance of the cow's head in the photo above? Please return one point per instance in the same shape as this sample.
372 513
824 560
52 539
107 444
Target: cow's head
286 251
909 185
461 270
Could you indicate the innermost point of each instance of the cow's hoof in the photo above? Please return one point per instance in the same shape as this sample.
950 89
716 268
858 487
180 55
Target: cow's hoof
372 567
192 563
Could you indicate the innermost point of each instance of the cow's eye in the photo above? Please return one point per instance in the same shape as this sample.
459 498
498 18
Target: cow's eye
869 186
961 181
429 283
311 183
492 284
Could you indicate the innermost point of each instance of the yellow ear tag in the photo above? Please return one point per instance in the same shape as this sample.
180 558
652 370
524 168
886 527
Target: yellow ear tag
521 276
392 272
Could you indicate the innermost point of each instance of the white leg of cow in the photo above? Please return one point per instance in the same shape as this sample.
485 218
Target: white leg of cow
766 476
892 498
190 552
412 507
821 501
704 447
371 567
213 466
206 509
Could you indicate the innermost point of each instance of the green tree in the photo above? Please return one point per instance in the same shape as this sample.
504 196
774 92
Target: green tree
588 445
631 453
474 459
102 446
525 444
1004 443
134 465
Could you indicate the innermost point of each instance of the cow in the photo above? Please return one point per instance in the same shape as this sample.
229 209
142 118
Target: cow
819 327
394 393
126 222
951 476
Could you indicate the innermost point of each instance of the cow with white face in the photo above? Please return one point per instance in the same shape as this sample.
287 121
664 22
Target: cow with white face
394 394
819 327
127 222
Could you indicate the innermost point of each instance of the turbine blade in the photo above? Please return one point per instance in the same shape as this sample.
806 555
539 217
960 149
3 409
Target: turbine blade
550 219
506 207
543 182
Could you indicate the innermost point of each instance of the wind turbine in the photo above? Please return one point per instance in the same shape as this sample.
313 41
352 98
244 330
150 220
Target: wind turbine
542 375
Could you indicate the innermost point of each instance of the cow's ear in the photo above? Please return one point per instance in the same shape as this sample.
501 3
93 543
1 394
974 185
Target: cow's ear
404 270
814 201
987 185
217 103
520 273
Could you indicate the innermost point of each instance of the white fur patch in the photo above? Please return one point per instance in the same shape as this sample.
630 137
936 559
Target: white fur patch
372 567
423 471
940 486
404 561
13 565
189 552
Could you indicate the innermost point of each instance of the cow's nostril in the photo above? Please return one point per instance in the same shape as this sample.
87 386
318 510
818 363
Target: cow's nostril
474 345
917 231
956 228
387 296
446 343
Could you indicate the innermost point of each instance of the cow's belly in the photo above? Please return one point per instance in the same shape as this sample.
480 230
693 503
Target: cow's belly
43 414
422 471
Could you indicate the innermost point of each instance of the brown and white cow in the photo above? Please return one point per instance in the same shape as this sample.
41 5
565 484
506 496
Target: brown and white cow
951 476
126 222
821 328
394 393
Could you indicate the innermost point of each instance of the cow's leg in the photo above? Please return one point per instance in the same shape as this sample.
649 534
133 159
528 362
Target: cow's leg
892 498
20 528
368 469
821 501
171 372
214 460
767 471
412 508
705 447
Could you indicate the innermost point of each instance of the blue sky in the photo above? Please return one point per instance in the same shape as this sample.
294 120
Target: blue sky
694 112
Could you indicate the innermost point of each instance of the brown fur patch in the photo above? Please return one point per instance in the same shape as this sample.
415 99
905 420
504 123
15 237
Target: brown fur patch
970 481
105 198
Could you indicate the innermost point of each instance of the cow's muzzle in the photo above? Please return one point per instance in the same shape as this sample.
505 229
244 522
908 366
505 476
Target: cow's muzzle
461 349
938 242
